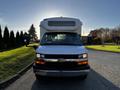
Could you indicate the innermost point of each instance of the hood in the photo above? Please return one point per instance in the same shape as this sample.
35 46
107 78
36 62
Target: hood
52 49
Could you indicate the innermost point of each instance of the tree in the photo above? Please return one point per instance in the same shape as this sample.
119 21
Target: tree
1 40
32 33
12 39
17 39
6 38
21 38
101 35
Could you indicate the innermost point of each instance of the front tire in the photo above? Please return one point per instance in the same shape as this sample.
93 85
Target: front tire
38 77
83 77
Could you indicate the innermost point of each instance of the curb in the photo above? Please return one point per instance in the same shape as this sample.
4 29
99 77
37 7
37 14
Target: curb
12 79
103 50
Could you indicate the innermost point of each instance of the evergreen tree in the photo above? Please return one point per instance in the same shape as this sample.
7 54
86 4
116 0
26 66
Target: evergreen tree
12 39
32 33
21 38
25 34
1 41
17 39
6 38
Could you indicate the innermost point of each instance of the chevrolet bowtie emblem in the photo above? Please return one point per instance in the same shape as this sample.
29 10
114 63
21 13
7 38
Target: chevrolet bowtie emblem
61 60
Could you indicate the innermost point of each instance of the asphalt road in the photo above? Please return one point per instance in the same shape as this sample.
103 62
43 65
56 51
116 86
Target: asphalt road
104 75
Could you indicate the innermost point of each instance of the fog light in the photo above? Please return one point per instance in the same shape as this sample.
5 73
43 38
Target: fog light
83 62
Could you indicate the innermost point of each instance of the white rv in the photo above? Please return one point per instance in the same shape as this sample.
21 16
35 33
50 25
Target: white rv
61 52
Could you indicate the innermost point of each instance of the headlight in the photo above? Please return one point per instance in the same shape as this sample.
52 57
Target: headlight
39 59
82 56
85 55
40 55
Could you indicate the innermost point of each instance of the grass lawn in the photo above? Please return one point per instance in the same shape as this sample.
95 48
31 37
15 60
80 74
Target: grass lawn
112 48
14 60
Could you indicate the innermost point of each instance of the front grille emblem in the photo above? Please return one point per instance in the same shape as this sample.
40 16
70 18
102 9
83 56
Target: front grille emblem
61 60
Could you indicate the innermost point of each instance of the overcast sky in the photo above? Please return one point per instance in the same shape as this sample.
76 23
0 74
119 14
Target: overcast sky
20 14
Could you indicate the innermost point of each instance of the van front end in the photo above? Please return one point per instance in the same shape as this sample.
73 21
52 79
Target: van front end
61 52
61 65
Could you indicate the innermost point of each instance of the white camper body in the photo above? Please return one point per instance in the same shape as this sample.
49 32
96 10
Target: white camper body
60 24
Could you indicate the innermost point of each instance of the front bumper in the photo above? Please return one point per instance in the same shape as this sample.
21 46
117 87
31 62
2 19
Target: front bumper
61 70
65 68
60 73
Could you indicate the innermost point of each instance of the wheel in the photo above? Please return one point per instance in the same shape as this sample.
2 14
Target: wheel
38 77
83 77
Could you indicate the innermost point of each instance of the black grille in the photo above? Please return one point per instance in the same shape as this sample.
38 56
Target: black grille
61 66
61 56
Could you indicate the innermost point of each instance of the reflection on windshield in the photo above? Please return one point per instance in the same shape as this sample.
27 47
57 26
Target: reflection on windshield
61 39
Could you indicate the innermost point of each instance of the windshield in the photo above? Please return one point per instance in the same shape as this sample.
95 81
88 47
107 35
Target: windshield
56 38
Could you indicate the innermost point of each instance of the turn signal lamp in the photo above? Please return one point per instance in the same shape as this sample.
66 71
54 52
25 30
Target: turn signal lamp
40 61
83 62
